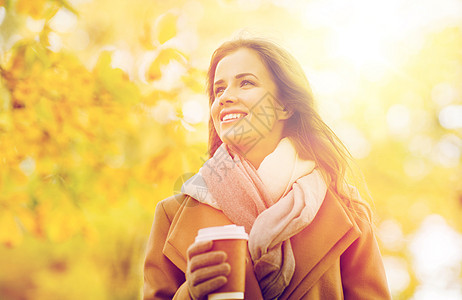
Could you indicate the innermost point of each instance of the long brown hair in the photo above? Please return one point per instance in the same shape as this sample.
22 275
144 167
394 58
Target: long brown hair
312 138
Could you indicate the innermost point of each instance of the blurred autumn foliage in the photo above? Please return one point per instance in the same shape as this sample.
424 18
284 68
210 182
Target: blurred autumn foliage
82 163
103 114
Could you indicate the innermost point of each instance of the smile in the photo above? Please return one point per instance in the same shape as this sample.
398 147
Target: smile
232 117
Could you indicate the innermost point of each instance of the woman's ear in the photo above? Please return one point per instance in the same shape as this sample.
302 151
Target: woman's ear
284 114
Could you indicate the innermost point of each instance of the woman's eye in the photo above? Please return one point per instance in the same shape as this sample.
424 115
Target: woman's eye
246 82
219 91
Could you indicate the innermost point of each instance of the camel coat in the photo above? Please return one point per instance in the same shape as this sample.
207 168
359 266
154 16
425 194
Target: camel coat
336 256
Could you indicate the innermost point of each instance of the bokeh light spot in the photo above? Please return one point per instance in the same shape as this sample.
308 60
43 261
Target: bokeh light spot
193 111
123 60
444 93
398 119
450 117
436 250
397 274
63 21
34 25
355 141
163 112
391 235
447 151
416 168
27 166
55 41
421 145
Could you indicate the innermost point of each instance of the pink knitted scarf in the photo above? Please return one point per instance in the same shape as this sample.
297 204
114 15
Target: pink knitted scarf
273 203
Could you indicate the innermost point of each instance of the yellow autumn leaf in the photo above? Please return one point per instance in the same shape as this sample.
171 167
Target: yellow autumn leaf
194 79
26 219
114 80
163 58
165 27
33 8
10 233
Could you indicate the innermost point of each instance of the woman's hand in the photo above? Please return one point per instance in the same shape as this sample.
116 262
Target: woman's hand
206 270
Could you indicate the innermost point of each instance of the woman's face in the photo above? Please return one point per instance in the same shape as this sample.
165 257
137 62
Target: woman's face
245 112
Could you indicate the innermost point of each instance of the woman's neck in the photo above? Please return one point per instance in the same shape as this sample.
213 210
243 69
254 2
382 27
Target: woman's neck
257 153
266 145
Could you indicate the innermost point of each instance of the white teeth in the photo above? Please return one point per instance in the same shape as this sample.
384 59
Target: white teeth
232 116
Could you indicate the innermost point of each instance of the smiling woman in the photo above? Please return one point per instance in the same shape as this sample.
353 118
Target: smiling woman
276 169
243 90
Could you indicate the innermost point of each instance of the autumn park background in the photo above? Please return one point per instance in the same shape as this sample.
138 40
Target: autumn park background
103 114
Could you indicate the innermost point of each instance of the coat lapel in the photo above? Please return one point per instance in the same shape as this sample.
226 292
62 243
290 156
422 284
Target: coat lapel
191 217
320 244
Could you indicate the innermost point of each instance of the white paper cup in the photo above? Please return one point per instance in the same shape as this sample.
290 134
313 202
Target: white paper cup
231 239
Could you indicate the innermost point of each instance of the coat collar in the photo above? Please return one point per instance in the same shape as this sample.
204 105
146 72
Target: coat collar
321 244
315 248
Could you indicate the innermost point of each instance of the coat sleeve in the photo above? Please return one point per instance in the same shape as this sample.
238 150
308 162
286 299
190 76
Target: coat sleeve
363 273
162 279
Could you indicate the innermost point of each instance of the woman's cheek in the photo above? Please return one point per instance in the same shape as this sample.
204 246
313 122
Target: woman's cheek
217 127
214 116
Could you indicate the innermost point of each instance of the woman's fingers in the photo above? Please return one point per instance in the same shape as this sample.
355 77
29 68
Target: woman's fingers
206 270
200 256
198 248
204 274
199 291
206 259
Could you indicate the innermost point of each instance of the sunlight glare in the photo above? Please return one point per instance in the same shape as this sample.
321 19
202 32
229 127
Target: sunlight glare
193 111
163 112
355 141
34 25
450 117
398 119
358 44
55 42
123 60
63 21
444 93
447 151
171 76
437 251
397 274
391 235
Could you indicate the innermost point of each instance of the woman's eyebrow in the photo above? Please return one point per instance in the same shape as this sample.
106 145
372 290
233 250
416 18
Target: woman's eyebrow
240 75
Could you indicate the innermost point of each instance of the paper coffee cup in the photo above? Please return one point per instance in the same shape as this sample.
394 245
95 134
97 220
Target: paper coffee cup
231 239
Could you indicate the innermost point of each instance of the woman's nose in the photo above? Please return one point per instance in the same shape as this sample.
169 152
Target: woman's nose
228 97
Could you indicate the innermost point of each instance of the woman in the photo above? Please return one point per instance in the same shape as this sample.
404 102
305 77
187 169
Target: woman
278 170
